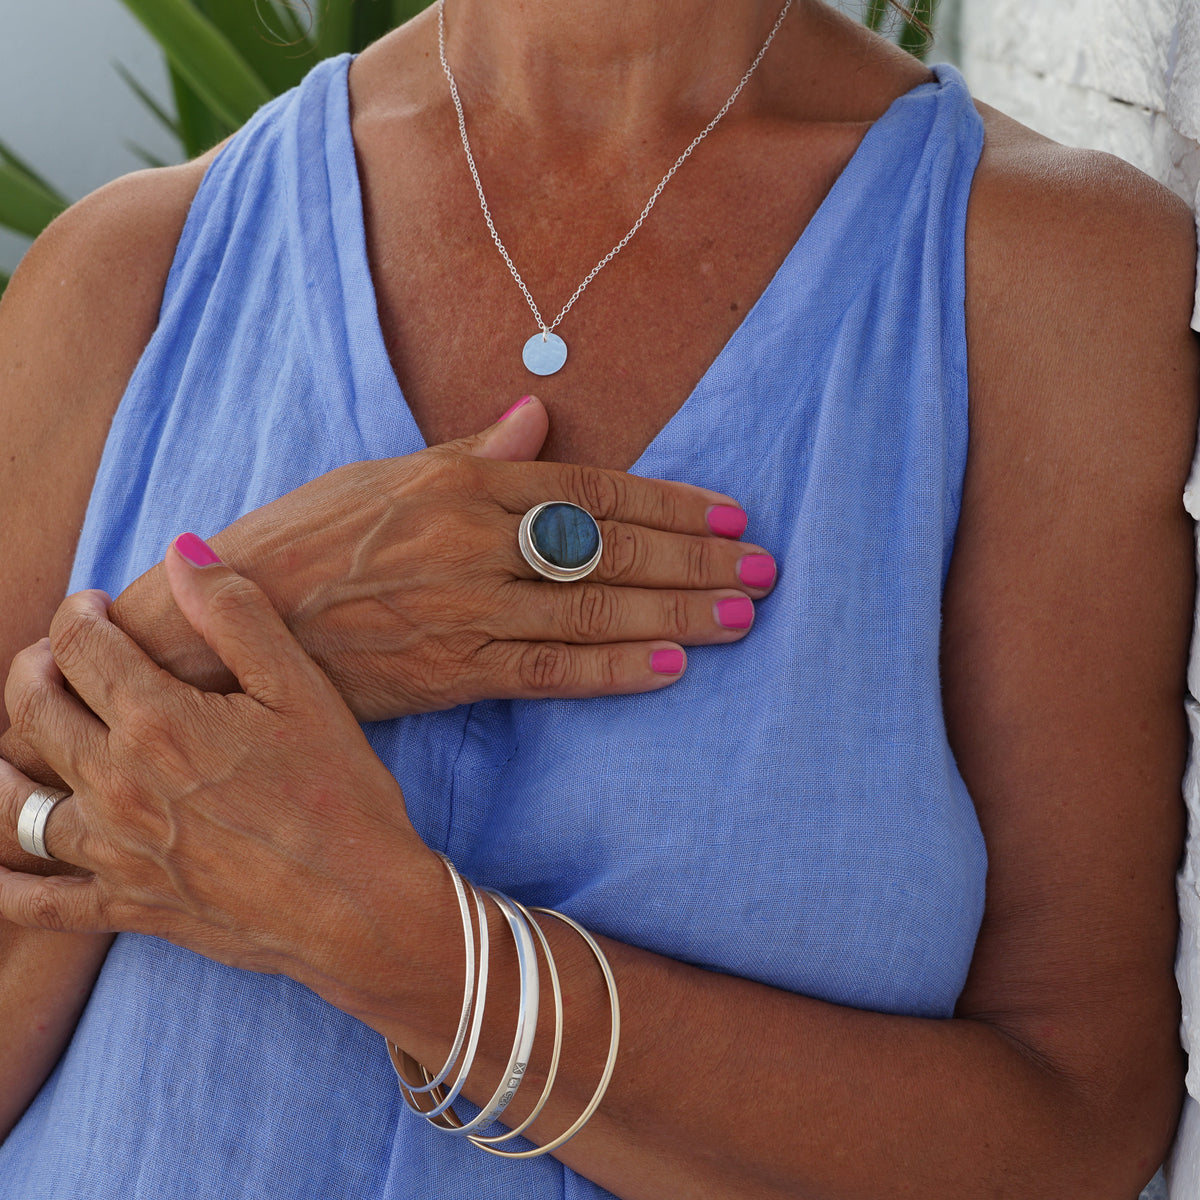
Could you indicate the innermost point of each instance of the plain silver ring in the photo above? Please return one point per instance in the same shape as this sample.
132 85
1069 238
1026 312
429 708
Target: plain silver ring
543 565
31 824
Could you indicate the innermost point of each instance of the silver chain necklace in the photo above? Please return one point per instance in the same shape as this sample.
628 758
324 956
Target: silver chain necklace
545 352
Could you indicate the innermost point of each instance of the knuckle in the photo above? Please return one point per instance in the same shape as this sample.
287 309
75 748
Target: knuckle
697 564
457 474
142 730
28 701
675 615
233 598
666 510
624 555
593 612
546 668
610 669
600 492
68 631
44 910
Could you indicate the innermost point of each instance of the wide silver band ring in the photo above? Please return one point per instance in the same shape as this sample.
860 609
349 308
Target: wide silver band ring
31 824
560 541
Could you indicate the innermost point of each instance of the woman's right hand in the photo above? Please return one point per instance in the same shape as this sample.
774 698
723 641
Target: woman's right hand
402 579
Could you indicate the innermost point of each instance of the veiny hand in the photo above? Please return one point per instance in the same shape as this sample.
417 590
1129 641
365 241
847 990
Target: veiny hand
402 579
244 827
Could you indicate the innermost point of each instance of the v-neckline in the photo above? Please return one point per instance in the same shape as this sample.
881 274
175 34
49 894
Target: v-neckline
362 311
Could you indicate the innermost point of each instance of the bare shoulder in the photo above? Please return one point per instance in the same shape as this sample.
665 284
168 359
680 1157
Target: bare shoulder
1081 284
74 321
85 298
1080 235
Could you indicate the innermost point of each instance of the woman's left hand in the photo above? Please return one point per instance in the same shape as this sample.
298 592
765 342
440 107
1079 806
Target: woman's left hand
244 827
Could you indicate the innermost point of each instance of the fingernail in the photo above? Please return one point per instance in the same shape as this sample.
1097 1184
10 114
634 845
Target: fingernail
198 553
727 521
666 662
736 612
524 400
756 570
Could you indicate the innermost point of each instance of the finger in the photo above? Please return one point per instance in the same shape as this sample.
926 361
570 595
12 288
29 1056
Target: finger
61 833
517 436
617 496
238 622
27 760
102 663
554 670
57 903
634 556
590 613
46 718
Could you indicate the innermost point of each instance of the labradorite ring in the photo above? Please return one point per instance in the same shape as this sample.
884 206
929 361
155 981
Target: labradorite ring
560 541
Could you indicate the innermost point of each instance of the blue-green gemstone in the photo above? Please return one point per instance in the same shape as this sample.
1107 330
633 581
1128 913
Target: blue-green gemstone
565 535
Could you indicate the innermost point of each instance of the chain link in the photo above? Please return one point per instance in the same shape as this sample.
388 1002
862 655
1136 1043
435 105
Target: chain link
487 213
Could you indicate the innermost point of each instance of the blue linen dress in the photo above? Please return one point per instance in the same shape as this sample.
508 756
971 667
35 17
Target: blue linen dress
790 811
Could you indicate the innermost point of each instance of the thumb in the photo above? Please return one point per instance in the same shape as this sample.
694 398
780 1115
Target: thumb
516 437
233 615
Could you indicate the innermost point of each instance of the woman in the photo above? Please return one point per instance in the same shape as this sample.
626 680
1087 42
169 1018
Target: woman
779 847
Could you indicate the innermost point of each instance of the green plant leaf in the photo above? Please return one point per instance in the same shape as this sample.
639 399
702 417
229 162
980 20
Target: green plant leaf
876 11
25 204
284 21
199 127
204 58
147 157
912 37
278 50
160 114
335 25
19 164
3 282
371 20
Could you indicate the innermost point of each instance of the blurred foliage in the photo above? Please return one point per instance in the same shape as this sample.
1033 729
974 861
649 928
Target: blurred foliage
226 58
915 20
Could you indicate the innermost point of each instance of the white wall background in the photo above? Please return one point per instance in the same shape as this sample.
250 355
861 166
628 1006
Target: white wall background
62 106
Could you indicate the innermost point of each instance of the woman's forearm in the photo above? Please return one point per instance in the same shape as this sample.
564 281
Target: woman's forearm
45 981
726 1088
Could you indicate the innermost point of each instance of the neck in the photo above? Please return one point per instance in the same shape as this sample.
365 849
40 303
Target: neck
605 66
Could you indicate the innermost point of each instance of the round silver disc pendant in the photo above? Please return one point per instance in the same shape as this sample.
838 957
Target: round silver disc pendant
545 353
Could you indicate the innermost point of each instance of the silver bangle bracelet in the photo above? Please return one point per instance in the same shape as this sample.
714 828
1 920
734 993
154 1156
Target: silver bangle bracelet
476 1026
527 1019
464 1019
486 1143
609 1066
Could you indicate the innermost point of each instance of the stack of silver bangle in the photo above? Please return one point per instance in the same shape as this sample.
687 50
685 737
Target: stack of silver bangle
435 1095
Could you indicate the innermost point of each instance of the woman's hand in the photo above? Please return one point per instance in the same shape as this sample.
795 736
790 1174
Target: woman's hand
402 579
238 826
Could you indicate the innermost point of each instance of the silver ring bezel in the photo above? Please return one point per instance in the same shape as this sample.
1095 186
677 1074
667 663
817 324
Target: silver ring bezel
545 568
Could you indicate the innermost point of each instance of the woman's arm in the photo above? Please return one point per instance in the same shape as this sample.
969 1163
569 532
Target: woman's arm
72 324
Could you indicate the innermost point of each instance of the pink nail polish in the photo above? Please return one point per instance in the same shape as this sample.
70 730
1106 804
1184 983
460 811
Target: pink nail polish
736 612
666 662
524 400
756 570
193 550
727 521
